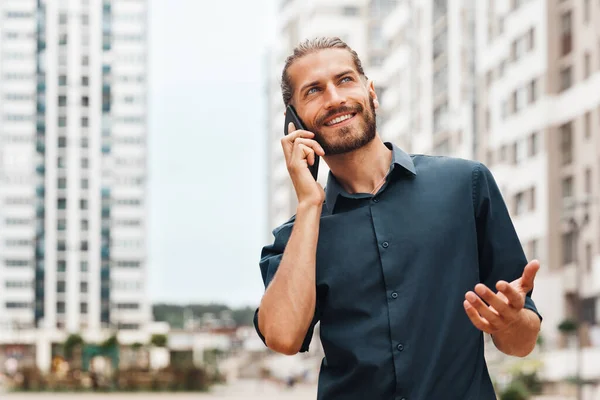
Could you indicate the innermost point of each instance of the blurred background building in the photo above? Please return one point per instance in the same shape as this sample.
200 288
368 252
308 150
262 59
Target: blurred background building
72 170
514 84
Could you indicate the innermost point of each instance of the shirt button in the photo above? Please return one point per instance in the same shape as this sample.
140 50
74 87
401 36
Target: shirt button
400 347
385 245
375 199
394 295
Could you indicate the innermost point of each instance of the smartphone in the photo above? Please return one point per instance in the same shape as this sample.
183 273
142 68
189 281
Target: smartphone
292 116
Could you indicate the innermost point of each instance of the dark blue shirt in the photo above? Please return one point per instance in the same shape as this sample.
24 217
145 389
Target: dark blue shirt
392 271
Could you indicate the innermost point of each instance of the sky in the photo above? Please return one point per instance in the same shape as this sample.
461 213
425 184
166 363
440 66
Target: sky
207 149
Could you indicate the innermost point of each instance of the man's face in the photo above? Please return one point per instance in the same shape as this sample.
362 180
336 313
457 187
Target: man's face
333 101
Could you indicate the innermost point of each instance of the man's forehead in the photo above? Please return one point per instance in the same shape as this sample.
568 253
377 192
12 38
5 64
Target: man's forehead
321 64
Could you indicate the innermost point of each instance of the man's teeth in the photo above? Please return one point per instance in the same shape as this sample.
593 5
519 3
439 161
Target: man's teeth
339 119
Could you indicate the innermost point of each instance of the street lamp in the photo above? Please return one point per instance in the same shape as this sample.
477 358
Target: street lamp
576 223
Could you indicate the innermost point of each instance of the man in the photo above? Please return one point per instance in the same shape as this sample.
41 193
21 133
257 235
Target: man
405 260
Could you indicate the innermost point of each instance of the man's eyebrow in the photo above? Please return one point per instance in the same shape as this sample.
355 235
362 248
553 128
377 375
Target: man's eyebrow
316 82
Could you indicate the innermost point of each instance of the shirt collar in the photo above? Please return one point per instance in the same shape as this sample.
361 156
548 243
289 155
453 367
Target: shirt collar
399 159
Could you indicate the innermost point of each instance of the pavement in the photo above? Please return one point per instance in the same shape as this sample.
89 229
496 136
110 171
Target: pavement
239 390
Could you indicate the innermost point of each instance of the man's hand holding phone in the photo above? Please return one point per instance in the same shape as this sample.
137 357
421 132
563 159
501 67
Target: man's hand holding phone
300 150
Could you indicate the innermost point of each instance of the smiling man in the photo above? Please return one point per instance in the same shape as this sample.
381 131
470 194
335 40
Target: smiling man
406 260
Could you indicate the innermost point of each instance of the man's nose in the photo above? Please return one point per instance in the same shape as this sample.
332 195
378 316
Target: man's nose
334 97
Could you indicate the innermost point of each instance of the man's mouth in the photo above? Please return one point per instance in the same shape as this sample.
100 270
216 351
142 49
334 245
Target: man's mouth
340 119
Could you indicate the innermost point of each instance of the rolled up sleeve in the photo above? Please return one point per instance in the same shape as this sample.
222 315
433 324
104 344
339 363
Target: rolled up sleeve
270 259
501 256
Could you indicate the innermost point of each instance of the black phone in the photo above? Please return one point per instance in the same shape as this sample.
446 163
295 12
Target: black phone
292 116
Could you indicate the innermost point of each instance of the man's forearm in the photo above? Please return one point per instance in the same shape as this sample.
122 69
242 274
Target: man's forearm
288 305
520 338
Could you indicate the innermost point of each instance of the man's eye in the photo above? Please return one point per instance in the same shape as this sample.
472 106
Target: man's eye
311 90
347 77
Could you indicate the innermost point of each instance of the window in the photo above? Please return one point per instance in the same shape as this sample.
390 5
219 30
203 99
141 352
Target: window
587 65
440 117
62 101
62 183
532 249
586 11
128 306
520 204
62 80
533 91
128 264
568 247
565 78
62 121
566 143
566 35
61 266
588 181
587 124
85 101
62 142
519 152
350 11
520 99
531 39
567 187
62 204
532 201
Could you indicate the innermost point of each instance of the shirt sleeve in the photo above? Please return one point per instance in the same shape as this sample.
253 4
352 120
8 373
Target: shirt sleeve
501 256
269 262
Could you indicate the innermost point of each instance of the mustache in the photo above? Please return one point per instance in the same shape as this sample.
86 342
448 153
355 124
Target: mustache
357 109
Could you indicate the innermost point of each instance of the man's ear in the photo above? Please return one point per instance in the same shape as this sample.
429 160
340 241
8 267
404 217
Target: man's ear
373 94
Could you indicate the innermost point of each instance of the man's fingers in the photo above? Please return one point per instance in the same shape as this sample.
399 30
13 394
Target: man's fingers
529 273
479 322
312 144
515 299
501 306
301 153
486 312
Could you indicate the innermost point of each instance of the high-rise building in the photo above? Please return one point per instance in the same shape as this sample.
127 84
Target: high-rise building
539 107
429 72
73 160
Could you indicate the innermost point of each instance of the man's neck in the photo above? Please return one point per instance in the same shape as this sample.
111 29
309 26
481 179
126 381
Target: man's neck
362 170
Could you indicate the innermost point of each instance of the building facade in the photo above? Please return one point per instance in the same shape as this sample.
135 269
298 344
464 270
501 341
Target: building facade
516 85
429 70
539 84
73 138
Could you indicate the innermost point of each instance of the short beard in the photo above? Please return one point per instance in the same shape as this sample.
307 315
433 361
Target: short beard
351 142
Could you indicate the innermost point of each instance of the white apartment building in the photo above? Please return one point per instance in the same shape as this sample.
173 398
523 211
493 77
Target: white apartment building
515 84
429 72
73 133
539 106
299 20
